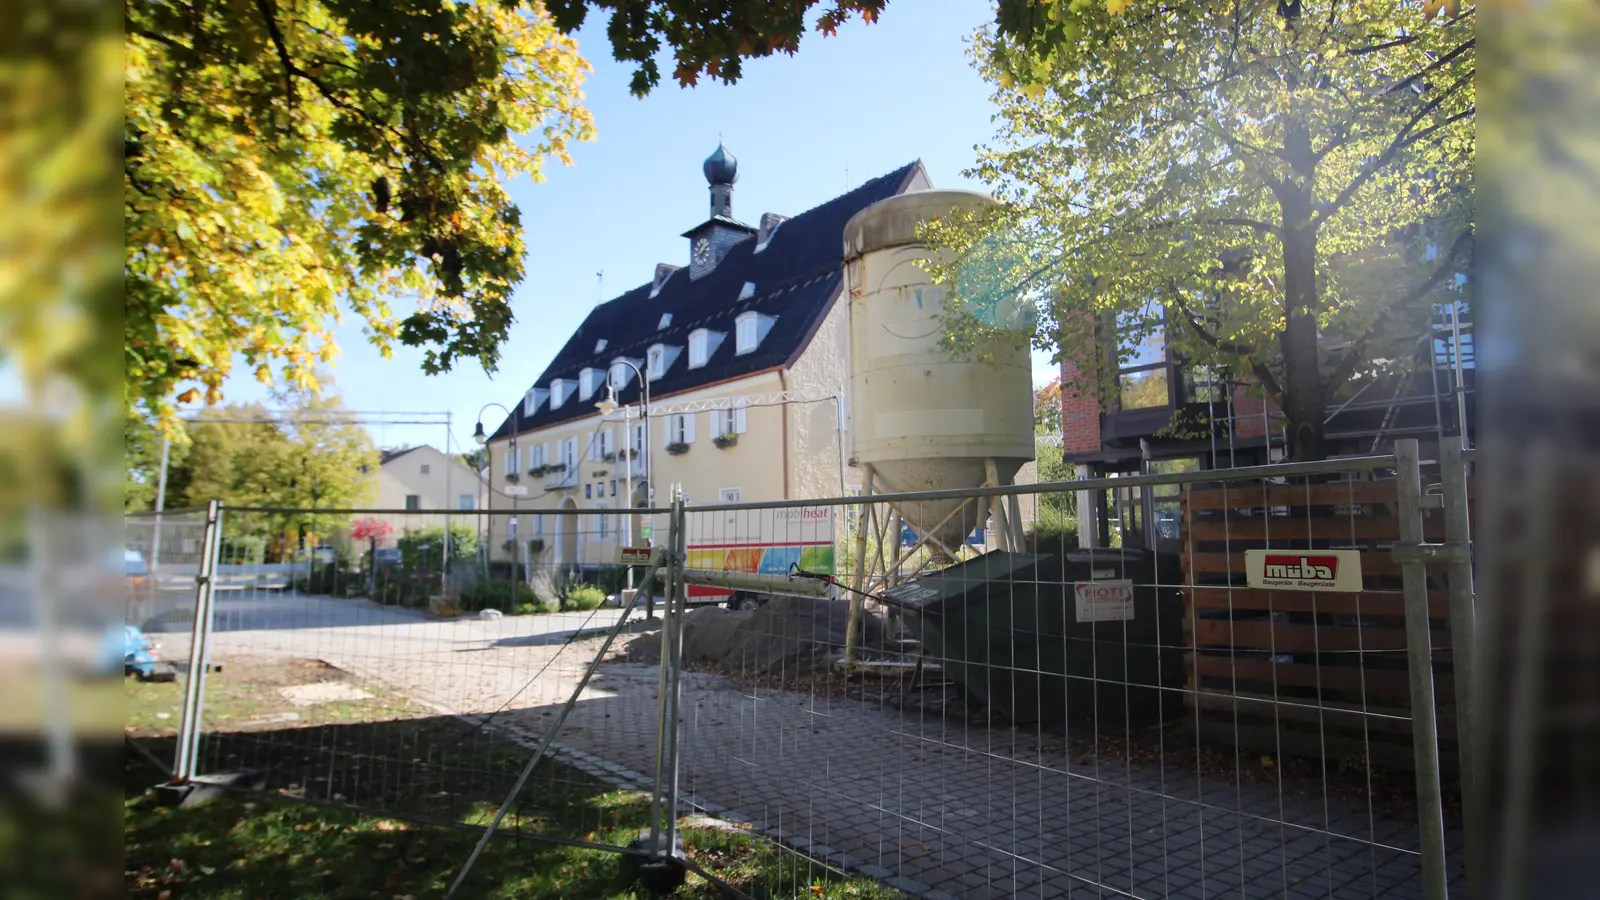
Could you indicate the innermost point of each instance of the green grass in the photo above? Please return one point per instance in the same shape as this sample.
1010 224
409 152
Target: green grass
240 848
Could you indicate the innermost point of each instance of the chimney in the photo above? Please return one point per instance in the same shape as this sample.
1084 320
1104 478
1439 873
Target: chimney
663 272
769 224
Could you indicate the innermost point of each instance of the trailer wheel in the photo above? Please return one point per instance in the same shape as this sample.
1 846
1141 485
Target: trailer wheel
743 601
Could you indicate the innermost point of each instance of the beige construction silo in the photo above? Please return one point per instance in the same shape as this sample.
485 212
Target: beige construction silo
922 418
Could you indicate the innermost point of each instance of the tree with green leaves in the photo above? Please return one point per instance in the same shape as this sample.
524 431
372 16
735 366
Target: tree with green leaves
288 161
1283 188
296 461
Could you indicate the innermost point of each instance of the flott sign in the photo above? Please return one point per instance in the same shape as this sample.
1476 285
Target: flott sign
1104 601
1304 570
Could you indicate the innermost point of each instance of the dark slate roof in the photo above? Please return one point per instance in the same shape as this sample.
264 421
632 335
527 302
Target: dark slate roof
797 278
387 456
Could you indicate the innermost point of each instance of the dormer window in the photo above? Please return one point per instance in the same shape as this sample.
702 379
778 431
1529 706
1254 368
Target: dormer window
699 348
533 399
666 320
748 291
560 389
600 346
656 362
750 330
622 372
589 382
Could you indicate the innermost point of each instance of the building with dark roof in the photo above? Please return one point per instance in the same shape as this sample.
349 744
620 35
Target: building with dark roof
742 350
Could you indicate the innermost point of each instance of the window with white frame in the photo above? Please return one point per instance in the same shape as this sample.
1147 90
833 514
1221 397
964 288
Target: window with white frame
589 382
731 420
532 399
638 438
602 444
569 453
680 428
746 332
602 526
656 362
541 456
538 526
621 373
699 348
558 393
514 460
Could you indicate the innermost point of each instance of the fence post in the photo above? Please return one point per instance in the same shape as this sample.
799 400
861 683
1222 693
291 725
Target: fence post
200 637
674 570
1419 652
680 602
1464 653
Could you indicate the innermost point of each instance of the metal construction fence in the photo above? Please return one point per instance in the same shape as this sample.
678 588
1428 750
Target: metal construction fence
1266 695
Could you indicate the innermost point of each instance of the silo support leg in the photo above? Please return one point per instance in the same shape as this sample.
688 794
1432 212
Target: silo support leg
858 581
997 508
1016 522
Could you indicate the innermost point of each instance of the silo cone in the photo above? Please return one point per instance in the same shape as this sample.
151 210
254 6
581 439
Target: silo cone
922 418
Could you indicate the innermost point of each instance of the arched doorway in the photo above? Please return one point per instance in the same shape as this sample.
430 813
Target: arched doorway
567 536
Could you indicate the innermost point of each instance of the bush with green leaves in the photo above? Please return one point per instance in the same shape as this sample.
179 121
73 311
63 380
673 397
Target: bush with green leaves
584 597
424 549
1054 532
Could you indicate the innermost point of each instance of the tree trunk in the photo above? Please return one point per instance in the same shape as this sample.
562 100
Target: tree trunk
1303 401
1302 382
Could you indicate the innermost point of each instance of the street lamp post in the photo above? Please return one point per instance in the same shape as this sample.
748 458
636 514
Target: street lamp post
488 494
607 407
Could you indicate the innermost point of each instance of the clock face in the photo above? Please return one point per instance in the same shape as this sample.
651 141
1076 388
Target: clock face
702 251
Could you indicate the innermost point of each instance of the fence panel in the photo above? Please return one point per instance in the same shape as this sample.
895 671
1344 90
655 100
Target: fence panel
162 555
412 670
1013 714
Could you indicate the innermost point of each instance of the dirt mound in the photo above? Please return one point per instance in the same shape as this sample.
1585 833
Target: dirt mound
787 635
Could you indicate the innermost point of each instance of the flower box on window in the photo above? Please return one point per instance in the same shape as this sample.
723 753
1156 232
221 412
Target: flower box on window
512 478
677 448
549 469
536 546
724 441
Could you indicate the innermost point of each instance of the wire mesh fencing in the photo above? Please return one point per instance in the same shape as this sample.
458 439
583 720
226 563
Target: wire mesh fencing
1223 683
160 568
404 665
1218 703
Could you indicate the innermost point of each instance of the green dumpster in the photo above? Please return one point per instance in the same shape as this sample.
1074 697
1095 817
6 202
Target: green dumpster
1086 635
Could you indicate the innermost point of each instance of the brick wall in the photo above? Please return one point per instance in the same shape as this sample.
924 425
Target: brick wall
1248 403
1080 410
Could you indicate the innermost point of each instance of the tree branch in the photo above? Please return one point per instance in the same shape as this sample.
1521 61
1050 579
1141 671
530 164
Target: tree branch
1357 350
1442 61
1400 142
1268 380
292 71
1376 48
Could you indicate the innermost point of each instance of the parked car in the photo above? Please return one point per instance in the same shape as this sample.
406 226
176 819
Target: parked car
386 558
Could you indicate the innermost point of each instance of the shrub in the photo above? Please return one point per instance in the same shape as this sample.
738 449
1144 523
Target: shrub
1055 532
497 594
328 578
535 608
425 549
585 597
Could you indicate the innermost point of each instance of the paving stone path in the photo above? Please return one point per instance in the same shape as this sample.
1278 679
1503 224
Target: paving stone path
935 808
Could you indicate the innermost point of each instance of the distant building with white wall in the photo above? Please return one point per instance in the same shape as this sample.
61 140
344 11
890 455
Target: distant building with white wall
423 479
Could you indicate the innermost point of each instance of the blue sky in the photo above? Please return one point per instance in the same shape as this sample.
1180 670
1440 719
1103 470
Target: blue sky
804 128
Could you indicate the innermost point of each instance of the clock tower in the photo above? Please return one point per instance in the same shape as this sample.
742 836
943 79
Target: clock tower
711 240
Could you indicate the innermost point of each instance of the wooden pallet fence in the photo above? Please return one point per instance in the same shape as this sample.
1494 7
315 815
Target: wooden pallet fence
1306 672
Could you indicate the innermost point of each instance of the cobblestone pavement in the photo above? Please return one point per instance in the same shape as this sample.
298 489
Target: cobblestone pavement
939 809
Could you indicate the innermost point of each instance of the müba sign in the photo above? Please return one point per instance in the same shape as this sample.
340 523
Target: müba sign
1304 570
